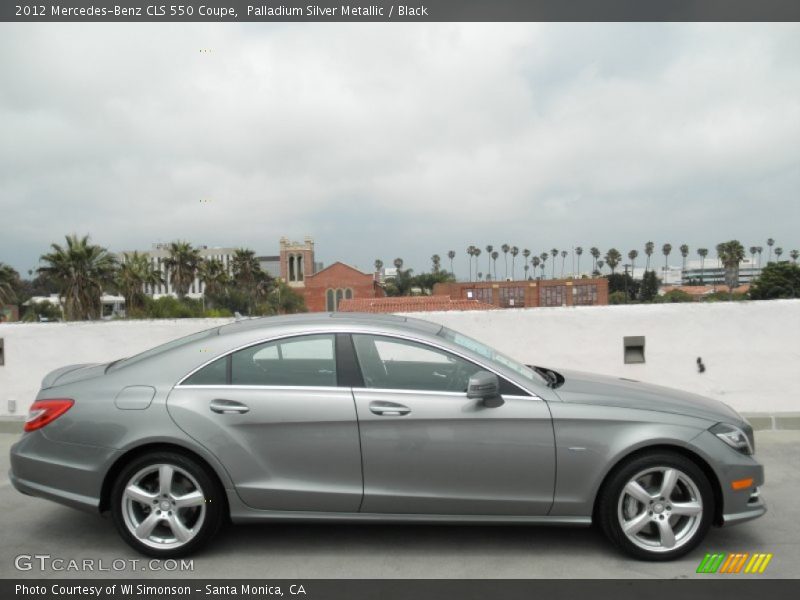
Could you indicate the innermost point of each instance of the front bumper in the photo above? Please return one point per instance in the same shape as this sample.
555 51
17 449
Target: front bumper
756 507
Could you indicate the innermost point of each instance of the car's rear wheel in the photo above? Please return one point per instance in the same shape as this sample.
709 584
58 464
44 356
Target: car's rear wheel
166 504
656 506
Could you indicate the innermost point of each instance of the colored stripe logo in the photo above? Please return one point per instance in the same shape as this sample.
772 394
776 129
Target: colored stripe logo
734 563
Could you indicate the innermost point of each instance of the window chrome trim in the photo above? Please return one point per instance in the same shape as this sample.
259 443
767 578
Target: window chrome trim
287 388
333 333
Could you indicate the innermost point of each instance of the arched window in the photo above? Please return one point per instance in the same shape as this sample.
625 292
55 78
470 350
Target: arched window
300 268
348 294
339 296
291 268
330 301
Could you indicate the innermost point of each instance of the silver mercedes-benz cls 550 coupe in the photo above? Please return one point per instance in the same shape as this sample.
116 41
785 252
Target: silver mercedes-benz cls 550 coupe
366 418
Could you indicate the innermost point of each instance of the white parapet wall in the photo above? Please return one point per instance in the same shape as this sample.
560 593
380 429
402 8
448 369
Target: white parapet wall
751 350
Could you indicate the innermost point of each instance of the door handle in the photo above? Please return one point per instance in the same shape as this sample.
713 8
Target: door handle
388 409
223 407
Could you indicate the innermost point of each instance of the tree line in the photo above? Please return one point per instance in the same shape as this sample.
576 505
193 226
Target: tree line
80 272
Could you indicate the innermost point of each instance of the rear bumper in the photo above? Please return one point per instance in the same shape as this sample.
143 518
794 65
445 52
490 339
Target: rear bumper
70 474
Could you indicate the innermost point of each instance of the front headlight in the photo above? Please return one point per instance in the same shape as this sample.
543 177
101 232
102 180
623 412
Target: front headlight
735 437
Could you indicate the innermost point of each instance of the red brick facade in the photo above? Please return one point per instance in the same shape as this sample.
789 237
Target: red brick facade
521 294
323 290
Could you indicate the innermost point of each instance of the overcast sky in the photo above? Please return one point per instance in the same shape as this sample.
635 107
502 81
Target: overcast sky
387 140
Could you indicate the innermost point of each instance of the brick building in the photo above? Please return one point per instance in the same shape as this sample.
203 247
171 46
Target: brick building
324 290
521 294
396 304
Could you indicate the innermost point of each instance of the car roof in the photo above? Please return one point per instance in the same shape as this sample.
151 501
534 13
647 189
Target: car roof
336 319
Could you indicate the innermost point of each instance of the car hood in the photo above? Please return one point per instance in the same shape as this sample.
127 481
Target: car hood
72 373
588 388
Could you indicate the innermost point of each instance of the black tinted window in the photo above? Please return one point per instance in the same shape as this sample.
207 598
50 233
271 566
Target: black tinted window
299 361
212 374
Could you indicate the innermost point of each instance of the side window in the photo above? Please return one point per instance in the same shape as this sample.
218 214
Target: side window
300 361
215 373
392 363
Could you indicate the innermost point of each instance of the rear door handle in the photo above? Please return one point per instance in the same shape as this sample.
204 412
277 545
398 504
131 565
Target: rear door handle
388 409
223 407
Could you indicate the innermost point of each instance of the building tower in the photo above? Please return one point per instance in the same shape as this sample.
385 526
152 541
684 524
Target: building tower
297 261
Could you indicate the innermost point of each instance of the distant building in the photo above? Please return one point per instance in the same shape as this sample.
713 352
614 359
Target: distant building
714 273
397 304
160 252
523 294
112 305
270 265
323 291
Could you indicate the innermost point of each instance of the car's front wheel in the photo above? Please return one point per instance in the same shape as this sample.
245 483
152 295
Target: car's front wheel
656 506
166 504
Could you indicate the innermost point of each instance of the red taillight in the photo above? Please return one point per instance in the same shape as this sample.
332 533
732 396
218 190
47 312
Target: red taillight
43 412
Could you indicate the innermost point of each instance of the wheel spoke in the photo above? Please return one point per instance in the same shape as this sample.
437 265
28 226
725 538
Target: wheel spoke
146 527
637 491
666 533
668 484
165 473
137 494
636 524
181 532
195 498
686 508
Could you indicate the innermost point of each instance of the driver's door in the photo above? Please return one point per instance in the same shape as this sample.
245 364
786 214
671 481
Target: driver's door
428 449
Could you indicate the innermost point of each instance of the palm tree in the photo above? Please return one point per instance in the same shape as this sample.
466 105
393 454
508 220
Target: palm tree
526 254
632 257
595 252
535 261
398 263
702 252
795 254
495 254
753 251
181 264
526 268
684 248
505 248
649 247
770 244
489 250
759 249
81 270
8 280
578 252
554 254
476 252
600 264
247 274
451 254
544 256
564 254
214 277
731 254
436 260
613 257
666 249
778 253
470 253
378 265
514 253
134 275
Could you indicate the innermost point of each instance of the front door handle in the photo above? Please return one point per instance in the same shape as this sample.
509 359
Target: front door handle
225 407
388 409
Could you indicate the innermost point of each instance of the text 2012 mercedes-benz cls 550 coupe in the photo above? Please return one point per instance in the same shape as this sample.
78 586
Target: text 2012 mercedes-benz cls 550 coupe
350 417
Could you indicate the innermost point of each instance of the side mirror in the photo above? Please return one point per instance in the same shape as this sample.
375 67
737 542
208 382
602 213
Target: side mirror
485 386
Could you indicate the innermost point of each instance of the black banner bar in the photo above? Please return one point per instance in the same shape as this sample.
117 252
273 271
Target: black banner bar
410 11
730 588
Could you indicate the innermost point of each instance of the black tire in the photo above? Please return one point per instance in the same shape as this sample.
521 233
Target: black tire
190 481
616 504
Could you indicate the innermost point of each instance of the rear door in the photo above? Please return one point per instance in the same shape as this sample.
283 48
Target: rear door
428 449
276 417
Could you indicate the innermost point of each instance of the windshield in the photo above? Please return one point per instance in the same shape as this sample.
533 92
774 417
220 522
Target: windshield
124 362
490 354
